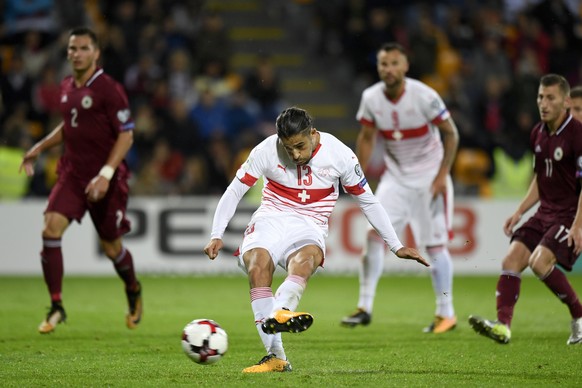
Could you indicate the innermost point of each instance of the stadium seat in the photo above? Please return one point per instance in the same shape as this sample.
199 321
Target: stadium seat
471 169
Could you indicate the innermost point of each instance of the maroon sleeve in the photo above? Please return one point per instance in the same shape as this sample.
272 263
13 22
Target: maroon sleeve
118 109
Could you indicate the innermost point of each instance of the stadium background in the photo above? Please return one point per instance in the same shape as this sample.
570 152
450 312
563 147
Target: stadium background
206 80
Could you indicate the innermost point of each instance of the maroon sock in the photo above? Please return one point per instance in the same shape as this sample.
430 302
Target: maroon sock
124 267
52 267
507 293
559 284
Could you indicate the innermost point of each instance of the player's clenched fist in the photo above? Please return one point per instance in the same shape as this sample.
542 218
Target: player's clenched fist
213 247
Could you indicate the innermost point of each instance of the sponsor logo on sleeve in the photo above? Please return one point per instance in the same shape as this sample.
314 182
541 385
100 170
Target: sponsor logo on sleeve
246 165
123 115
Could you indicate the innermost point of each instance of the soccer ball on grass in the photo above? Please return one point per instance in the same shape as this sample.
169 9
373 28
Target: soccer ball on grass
204 341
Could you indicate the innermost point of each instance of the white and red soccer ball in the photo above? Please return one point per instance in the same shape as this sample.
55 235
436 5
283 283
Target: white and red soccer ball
204 341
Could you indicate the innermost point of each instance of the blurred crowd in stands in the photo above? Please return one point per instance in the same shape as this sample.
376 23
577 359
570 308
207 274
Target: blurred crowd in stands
485 58
197 117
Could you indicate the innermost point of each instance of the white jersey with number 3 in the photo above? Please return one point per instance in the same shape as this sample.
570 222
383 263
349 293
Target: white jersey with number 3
408 127
310 190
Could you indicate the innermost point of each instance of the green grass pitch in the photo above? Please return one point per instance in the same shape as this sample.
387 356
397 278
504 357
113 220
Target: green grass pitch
94 348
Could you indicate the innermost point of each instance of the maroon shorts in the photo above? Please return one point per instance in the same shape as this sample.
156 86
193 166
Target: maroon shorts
550 234
108 215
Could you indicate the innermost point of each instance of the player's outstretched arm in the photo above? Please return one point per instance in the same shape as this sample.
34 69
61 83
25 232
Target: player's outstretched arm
531 198
224 212
411 254
50 140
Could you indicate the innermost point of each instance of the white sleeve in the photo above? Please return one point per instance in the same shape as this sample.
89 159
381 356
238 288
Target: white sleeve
379 219
227 206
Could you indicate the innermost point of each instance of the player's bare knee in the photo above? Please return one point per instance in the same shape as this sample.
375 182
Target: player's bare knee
259 266
514 263
532 264
305 263
517 258
51 232
112 249
54 225
541 261
111 253
259 276
538 267
301 266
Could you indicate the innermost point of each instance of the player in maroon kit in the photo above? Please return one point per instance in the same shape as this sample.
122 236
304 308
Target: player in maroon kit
553 235
97 132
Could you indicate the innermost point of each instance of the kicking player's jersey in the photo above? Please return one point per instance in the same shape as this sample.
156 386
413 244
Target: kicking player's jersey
558 168
408 127
310 190
93 115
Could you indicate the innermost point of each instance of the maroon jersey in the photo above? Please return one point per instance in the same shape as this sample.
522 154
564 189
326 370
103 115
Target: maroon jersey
93 114
558 165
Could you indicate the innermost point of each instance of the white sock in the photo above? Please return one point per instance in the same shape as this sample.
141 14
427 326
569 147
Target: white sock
262 304
370 272
289 293
277 347
442 280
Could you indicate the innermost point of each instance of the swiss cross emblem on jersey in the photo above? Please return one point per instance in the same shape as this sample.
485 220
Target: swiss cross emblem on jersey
303 196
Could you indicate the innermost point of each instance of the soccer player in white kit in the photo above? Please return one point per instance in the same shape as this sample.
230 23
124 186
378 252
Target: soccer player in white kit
420 142
302 169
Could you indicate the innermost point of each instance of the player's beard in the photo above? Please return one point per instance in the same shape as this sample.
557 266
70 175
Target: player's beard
392 82
303 162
